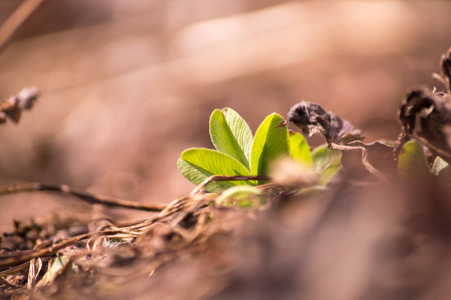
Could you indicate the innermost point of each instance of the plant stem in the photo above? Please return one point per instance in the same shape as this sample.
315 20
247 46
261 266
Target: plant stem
79 194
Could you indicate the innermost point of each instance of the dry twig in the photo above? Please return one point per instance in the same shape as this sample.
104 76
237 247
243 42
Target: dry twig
14 21
79 194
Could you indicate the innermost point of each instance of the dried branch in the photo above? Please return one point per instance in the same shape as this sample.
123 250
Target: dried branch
14 21
79 194
365 160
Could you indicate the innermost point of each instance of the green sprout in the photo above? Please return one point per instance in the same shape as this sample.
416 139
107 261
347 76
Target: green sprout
413 163
239 153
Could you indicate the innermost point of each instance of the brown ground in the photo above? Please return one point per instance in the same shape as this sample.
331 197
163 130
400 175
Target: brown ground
127 85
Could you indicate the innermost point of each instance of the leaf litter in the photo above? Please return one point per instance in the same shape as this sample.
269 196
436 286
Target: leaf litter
390 237
11 109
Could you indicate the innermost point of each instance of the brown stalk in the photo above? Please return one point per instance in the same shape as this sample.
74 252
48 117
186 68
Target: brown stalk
14 21
79 194
370 168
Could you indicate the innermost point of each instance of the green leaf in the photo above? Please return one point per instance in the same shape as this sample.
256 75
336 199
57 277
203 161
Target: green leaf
440 167
198 164
300 150
270 142
231 135
326 162
412 162
242 196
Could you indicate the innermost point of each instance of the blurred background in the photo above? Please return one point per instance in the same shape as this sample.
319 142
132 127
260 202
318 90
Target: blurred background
126 86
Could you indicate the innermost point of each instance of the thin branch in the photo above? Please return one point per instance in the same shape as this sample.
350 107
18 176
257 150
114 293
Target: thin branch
14 21
368 166
79 194
15 269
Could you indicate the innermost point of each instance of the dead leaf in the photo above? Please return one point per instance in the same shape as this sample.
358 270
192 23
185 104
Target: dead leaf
426 116
377 156
445 65
313 119
12 108
33 273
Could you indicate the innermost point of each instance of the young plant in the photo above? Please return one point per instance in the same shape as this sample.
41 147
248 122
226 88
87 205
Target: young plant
239 153
413 163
